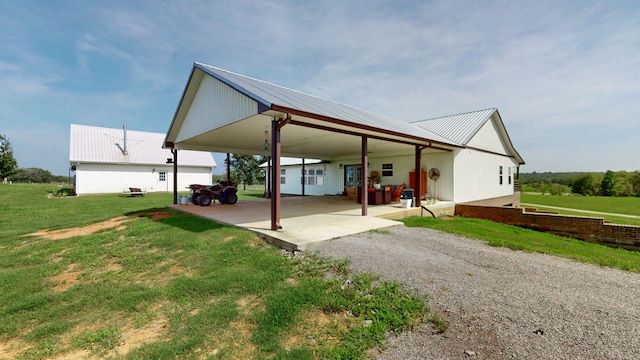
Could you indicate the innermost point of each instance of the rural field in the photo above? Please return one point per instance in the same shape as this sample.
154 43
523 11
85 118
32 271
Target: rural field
605 204
107 276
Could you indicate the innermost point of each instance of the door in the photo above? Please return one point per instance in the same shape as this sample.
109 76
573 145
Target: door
352 175
162 181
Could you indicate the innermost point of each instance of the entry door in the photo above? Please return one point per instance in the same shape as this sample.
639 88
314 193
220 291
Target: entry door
162 181
352 175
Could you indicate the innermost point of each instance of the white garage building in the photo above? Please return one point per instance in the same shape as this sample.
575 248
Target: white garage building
108 160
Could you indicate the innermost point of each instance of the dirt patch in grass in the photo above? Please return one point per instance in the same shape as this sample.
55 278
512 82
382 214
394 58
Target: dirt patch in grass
117 224
250 304
316 326
154 215
65 280
133 338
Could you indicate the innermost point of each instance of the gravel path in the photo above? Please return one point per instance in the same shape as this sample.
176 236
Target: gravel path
500 304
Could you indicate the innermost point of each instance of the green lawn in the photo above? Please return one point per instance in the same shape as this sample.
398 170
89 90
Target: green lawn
517 238
618 205
610 204
125 277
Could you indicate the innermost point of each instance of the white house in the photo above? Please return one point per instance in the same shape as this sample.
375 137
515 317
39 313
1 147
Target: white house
483 169
107 160
472 154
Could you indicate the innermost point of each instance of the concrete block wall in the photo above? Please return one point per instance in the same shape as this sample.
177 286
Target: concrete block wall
591 229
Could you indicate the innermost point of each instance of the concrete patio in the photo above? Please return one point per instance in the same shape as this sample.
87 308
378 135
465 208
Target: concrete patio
310 219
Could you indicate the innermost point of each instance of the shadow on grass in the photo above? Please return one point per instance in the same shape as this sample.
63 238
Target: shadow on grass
178 219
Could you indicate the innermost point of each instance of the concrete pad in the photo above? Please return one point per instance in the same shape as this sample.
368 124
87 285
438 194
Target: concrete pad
308 219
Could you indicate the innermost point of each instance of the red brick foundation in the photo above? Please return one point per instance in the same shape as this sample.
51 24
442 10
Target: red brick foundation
590 229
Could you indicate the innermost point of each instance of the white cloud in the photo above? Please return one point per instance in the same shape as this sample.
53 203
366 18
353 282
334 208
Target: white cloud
559 73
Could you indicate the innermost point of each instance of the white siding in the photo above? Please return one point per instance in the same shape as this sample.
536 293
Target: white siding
443 189
215 105
488 138
293 182
477 175
101 178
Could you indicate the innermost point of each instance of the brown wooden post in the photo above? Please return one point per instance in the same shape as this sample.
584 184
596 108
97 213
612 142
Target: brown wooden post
418 176
275 175
365 171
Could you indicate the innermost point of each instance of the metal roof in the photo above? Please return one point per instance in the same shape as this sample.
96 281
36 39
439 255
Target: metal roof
93 144
459 128
270 95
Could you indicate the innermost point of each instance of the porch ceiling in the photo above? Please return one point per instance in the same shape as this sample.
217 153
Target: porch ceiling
305 137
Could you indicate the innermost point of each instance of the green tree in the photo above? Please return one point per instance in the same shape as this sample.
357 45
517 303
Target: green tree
33 175
585 184
246 169
635 183
609 185
8 164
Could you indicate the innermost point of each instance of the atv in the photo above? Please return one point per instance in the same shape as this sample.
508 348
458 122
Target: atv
204 195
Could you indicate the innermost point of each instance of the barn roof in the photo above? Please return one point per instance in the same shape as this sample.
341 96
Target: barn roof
93 144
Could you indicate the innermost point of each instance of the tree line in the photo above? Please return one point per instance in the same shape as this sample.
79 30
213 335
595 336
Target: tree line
609 183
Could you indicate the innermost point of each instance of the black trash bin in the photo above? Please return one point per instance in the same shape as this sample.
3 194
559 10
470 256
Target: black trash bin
408 195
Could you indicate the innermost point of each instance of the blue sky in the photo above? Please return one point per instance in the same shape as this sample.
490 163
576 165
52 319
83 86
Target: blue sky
564 75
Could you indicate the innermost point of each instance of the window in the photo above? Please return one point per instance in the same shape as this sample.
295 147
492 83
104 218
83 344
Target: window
313 177
500 174
509 176
283 177
162 176
387 169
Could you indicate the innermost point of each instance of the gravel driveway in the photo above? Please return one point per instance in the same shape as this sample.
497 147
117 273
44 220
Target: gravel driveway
500 304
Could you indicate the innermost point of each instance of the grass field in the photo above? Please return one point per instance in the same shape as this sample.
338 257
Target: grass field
517 238
618 205
106 276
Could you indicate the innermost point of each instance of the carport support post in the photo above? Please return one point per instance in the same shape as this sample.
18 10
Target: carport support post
275 175
365 170
174 151
229 168
418 176
303 177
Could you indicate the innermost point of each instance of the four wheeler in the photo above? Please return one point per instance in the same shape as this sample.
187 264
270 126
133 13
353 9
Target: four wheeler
204 195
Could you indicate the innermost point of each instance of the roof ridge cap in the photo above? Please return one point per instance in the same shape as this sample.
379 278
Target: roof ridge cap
458 114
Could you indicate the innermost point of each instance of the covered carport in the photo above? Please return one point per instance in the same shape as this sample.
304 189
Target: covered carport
221 111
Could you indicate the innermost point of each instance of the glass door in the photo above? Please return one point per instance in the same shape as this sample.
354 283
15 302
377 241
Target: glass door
352 175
